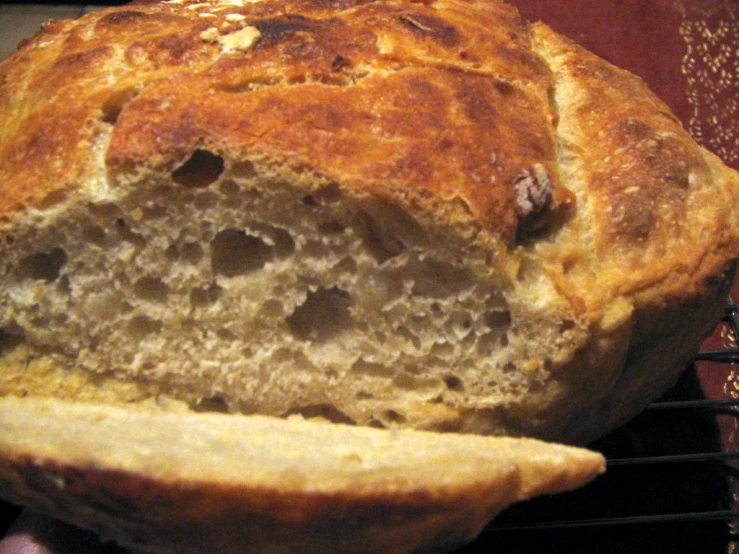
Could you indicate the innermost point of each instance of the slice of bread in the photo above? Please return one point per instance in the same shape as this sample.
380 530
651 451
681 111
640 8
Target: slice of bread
197 483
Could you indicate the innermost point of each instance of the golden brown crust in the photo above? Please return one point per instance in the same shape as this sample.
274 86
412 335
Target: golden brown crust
660 212
451 113
337 90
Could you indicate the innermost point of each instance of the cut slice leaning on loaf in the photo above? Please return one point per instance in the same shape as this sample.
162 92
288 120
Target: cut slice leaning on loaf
198 483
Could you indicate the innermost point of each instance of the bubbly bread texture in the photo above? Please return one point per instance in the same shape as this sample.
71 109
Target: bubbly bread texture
196 483
431 215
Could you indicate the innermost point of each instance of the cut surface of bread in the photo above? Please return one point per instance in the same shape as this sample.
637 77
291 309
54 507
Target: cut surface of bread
195 483
432 215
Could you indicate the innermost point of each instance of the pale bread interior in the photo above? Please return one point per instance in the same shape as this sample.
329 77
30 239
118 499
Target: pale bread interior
245 289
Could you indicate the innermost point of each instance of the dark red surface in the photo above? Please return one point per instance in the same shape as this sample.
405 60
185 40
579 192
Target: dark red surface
638 35
673 45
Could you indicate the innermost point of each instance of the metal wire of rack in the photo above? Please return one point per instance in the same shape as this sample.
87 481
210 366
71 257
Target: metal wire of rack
683 497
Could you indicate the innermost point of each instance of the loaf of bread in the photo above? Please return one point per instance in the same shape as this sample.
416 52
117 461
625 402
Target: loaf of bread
416 216
387 213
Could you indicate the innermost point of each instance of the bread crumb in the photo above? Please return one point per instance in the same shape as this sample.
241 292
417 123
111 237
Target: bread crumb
137 214
238 41
235 17
210 35
241 40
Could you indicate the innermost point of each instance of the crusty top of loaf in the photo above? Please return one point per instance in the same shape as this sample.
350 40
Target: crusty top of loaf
452 107
392 97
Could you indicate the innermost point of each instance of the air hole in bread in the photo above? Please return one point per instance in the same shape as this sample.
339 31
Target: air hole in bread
392 417
490 342
94 344
335 80
331 228
407 381
380 243
201 170
116 102
142 326
442 350
151 289
248 86
298 362
438 279
409 335
59 319
94 234
324 314
172 253
567 325
363 367
272 308
225 334
204 200
207 296
53 199
282 241
376 423
346 265
460 324
216 403
127 234
453 383
322 411
497 318
230 189
191 253
234 252
155 211
328 194
43 266
63 285
9 340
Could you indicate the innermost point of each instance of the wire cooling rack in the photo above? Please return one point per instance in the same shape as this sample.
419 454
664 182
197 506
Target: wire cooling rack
672 479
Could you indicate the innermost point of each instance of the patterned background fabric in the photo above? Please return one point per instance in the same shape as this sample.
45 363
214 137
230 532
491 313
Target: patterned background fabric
687 51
